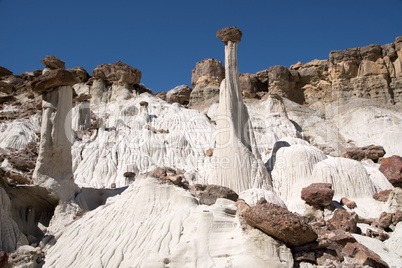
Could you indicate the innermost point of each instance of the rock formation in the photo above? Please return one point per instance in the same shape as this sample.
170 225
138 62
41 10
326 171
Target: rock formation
179 94
236 161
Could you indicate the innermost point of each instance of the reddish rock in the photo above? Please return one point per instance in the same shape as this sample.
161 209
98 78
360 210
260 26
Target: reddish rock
318 194
333 239
372 152
397 217
385 220
391 167
346 202
179 94
209 152
213 192
363 255
380 235
382 196
280 223
3 259
53 79
343 220
53 63
113 185
117 72
229 34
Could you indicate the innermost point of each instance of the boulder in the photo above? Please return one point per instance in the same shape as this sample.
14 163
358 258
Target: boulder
213 192
363 255
382 196
80 74
250 85
344 220
232 34
117 72
179 94
372 152
318 194
280 223
5 72
53 63
3 259
209 67
161 95
6 87
385 220
391 167
129 174
53 79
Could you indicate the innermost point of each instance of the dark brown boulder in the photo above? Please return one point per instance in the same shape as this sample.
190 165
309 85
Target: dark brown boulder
363 255
229 34
382 196
144 103
53 63
3 259
53 79
80 74
391 167
129 174
5 72
179 94
280 223
372 152
6 87
117 72
344 220
318 194
213 192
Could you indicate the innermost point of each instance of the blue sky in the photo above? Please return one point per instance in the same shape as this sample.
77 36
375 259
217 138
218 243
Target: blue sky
165 39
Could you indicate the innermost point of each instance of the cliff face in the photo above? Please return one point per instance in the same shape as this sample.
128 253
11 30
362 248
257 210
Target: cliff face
371 72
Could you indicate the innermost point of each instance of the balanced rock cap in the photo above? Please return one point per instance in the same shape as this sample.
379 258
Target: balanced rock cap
229 34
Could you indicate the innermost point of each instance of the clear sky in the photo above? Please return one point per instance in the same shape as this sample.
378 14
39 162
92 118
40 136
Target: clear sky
164 39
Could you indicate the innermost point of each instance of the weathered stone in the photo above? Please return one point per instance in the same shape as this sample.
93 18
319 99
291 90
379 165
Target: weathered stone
53 79
117 72
80 74
211 68
343 220
175 179
53 63
209 152
372 152
391 167
380 235
113 185
5 72
398 43
349 203
229 34
280 223
397 217
179 94
318 194
3 259
161 95
213 192
327 238
382 196
129 174
363 255
144 103
371 52
385 220
350 54
250 85
6 87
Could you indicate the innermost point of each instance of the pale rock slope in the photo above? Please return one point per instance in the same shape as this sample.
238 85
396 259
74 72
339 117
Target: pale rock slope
162 225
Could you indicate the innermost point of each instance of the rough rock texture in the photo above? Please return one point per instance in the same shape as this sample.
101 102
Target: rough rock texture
382 196
213 192
117 72
80 74
318 194
385 220
278 222
250 85
349 203
236 162
53 63
391 167
363 255
206 78
343 220
53 79
10 236
5 72
372 152
232 34
53 170
179 94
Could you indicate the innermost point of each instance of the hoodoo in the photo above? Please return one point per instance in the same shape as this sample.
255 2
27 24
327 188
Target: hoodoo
236 162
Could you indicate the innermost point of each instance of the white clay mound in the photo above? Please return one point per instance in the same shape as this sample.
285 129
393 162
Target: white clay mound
154 225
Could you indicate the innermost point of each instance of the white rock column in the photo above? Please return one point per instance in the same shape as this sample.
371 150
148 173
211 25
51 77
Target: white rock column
236 162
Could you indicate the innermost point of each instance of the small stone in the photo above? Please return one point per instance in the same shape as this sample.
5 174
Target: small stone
385 220
209 152
346 202
53 63
129 174
113 185
382 196
318 194
343 220
397 217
